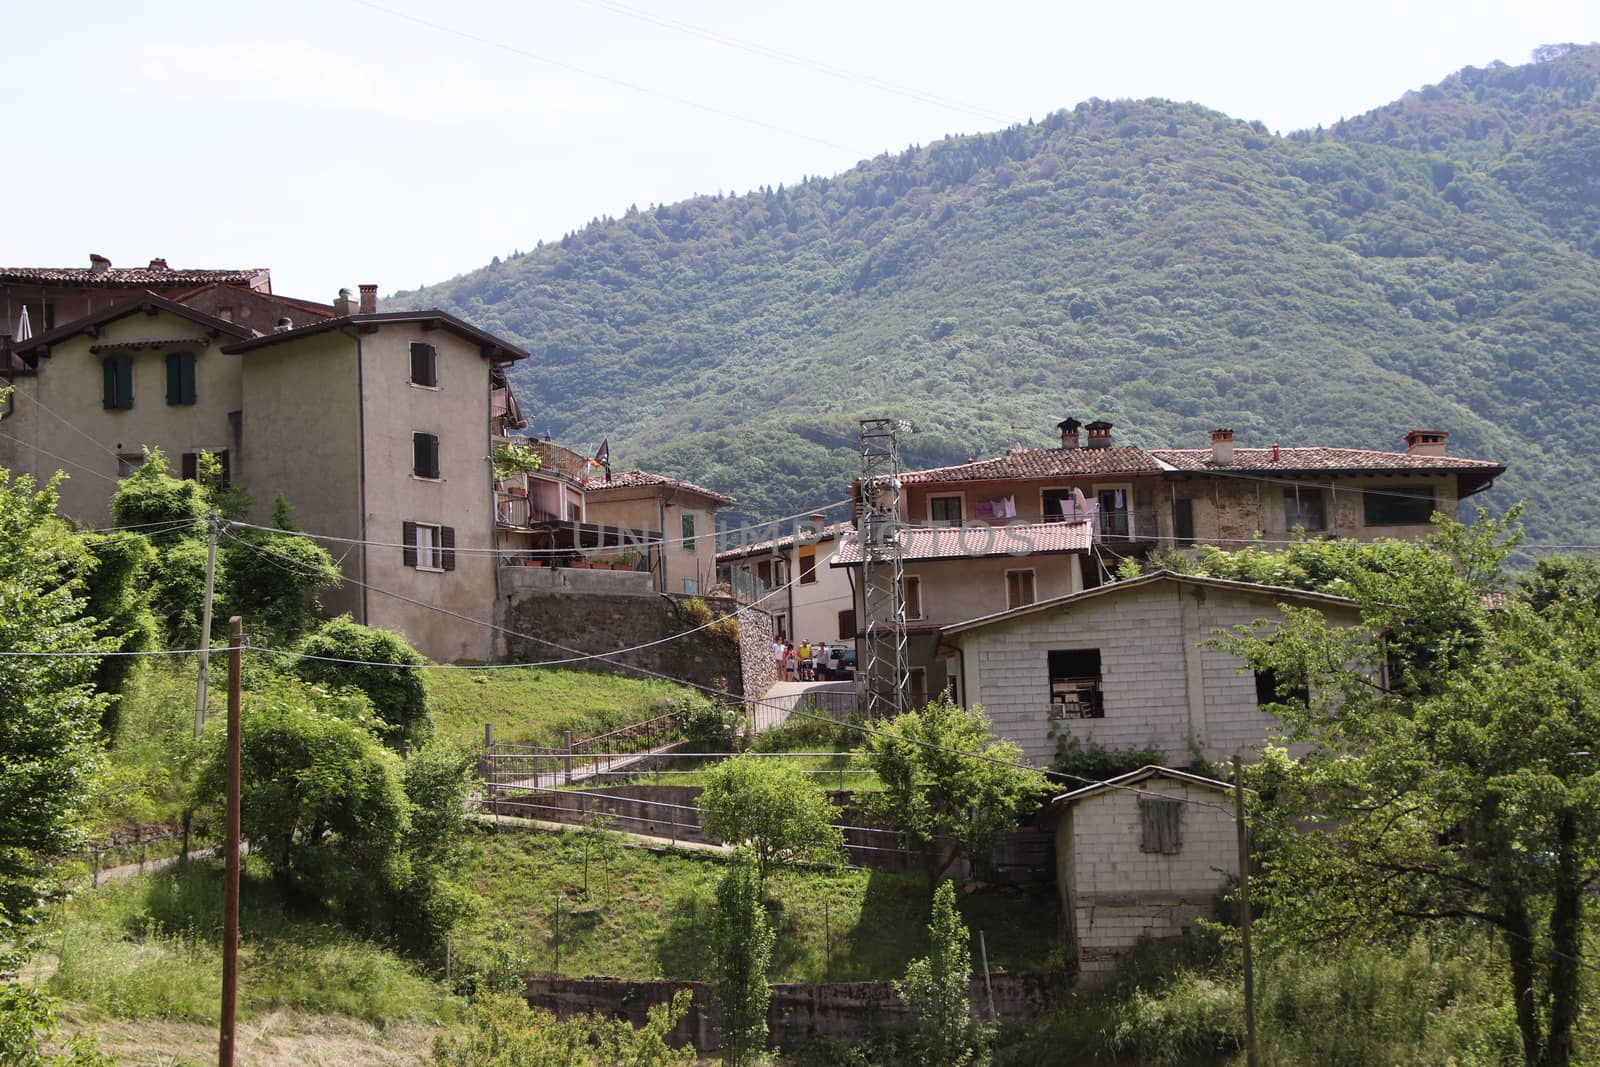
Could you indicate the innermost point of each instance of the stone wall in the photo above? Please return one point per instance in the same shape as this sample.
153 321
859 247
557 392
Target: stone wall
569 615
847 1011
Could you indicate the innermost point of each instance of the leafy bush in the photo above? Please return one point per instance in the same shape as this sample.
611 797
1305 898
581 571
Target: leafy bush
119 597
26 1016
502 1031
273 580
1094 761
399 697
775 809
708 726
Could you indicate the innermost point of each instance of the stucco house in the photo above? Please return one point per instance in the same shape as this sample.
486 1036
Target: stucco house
792 577
1142 855
682 513
1126 665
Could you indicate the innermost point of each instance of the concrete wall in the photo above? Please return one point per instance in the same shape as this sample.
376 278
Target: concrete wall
846 1011
61 410
516 581
955 590
1159 687
597 622
458 411
1113 893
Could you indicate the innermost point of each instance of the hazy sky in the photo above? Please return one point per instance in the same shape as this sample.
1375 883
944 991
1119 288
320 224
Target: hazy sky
403 142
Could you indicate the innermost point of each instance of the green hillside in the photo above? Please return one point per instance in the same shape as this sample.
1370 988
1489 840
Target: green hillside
1156 264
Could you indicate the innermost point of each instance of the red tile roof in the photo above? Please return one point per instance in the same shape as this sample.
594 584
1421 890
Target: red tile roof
1031 463
1316 459
129 277
972 542
762 548
145 302
492 347
646 480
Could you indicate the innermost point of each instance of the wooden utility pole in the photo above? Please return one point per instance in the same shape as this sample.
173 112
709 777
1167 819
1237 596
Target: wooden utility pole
1251 1057
230 881
205 626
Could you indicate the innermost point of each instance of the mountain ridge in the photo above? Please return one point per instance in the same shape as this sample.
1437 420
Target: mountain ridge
1160 265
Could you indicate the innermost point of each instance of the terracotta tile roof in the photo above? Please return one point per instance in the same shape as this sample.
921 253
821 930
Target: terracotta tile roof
1316 459
1031 463
970 542
134 346
128 277
762 548
144 302
492 347
646 480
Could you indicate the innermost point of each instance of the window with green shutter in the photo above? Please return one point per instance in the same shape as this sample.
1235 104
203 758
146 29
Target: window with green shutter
117 382
180 378
688 531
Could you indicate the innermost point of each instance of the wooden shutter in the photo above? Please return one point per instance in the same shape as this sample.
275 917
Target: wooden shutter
423 364
109 371
408 539
191 466
433 455
847 624
227 469
447 547
425 455
189 391
1160 825
174 377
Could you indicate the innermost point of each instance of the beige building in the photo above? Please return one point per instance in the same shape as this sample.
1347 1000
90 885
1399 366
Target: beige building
684 515
1143 855
376 427
1126 665
792 577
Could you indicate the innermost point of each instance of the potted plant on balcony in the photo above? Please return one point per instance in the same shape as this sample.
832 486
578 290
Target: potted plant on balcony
511 459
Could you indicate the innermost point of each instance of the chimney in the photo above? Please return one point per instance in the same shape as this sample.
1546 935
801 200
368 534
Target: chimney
344 304
1277 453
156 264
369 299
1099 434
98 264
1426 442
1222 447
284 325
1069 432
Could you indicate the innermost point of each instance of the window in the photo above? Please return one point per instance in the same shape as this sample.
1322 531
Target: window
808 564
424 364
1075 684
128 462
428 547
691 586
1059 505
1402 505
1271 689
945 510
1114 511
780 625
688 531
425 455
1160 825
1302 507
189 467
913 590
919 688
118 382
1183 520
180 377
847 624
1019 589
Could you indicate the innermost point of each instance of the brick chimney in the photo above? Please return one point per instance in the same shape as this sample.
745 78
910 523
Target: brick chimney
157 264
98 264
1222 447
369 299
1069 432
344 304
1426 442
1099 434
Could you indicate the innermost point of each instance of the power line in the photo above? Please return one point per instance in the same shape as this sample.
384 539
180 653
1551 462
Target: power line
613 80
60 459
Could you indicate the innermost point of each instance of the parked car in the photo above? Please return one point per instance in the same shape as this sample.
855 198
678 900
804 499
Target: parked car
847 666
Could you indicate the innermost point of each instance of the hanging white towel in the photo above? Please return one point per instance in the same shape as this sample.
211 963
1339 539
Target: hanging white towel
1116 499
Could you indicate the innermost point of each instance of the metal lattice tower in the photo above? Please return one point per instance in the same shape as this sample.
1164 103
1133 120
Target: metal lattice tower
878 525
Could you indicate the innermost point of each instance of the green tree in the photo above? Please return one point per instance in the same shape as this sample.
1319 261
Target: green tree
937 989
1561 579
49 711
775 809
743 941
400 697
273 580
171 513
1472 798
119 597
950 786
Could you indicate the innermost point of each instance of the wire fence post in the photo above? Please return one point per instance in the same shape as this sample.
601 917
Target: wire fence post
566 741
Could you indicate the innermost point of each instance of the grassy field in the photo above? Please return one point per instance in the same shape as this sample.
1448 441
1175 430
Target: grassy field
533 705
648 916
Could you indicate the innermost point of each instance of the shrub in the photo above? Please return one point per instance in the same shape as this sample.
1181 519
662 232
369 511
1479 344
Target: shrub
774 808
707 726
937 988
743 940
503 1031
399 697
1097 763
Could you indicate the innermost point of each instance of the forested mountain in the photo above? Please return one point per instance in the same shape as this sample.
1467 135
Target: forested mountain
1166 267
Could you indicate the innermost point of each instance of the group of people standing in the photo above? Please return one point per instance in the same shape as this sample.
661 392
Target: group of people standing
804 662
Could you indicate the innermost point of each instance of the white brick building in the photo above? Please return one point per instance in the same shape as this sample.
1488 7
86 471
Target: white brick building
1124 665
1142 855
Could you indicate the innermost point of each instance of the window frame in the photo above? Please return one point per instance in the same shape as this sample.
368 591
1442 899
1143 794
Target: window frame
1033 587
1183 520
1154 811
128 463
1127 533
686 528
417 438
116 383
1390 496
1063 708
913 581
942 498
1295 497
182 376
441 549
850 614
805 554
432 365
917 679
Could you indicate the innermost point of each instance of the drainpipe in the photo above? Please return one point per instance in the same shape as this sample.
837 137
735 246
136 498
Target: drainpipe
361 452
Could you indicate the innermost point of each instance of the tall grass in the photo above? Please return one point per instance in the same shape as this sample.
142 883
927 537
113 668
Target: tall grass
149 948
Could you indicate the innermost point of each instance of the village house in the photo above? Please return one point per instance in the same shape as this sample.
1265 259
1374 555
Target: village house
1146 854
818 604
1126 665
990 535
681 514
376 427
